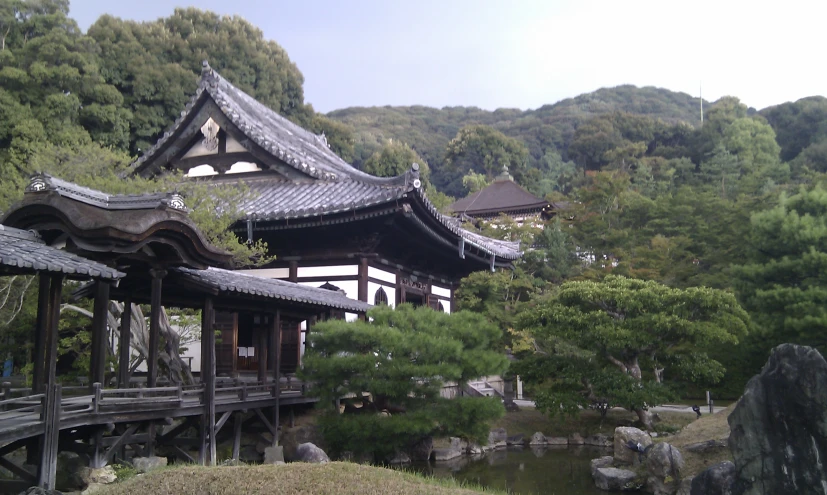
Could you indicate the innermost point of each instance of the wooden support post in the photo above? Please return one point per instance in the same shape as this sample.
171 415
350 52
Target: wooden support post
277 374
208 444
124 342
55 289
239 417
47 468
453 304
154 327
262 355
363 280
41 334
293 271
150 440
97 372
292 420
98 457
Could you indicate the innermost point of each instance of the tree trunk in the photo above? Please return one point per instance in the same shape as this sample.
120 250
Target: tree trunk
645 417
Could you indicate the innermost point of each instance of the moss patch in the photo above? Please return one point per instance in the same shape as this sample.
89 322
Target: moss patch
340 478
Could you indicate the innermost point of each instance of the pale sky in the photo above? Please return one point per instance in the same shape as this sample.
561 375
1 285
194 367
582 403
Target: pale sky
527 53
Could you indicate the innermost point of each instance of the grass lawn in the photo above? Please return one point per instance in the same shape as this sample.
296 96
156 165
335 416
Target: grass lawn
340 478
529 420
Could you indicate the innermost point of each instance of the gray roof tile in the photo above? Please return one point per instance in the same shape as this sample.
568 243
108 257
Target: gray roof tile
21 249
241 283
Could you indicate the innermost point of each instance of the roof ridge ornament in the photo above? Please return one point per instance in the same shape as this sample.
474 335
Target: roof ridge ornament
39 182
415 174
504 175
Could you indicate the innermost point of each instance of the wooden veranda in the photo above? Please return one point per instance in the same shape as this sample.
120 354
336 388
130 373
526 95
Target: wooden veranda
144 250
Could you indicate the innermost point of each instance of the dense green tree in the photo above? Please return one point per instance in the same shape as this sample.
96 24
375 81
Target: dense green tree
798 125
396 158
641 330
394 368
156 66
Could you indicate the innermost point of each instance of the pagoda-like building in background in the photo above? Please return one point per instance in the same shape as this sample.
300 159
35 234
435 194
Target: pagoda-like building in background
503 196
380 240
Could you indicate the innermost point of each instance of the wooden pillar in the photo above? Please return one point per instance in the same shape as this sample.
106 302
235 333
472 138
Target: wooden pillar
363 280
123 344
47 467
310 322
453 304
293 273
97 371
277 374
154 327
55 289
262 351
208 446
41 334
238 418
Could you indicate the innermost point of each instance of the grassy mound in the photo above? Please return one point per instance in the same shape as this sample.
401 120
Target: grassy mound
340 478
708 427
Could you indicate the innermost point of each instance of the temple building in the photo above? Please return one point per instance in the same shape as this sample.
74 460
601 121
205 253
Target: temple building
503 196
379 240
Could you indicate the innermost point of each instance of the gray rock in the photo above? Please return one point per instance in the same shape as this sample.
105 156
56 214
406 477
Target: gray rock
599 441
778 429
625 435
147 464
685 487
601 462
576 439
400 458
474 449
538 439
308 452
97 476
421 450
557 440
515 440
458 444
442 455
497 439
616 480
274 455
707 446
664 461
715 480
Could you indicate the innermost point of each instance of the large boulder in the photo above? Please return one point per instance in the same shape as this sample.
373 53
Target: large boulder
601 462
442 455
274 455
616 480
97 476
626 436
664 464
778 429
664 461
576 439
557 440
147 464
308 452
715 480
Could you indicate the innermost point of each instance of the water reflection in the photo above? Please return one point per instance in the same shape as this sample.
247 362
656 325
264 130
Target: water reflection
535 470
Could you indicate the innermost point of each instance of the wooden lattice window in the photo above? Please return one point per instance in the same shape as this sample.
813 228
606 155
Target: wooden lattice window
381 297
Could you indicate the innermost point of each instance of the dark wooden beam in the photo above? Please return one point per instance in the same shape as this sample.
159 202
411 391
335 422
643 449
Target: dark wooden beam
261 334
154 327
293 273
124 342
208 441
363 280
18 471
237 421
55 289
47 468
277 374
97 372
222 421
41 333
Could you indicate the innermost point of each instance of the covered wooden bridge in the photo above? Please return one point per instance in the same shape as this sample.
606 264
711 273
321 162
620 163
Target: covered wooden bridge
145 250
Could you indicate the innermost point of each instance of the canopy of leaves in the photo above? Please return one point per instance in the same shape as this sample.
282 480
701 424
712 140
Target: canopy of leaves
398 363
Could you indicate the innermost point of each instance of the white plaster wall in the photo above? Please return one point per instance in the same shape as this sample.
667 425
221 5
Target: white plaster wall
386 276
198 149
234 146
440 291
328 271
390 291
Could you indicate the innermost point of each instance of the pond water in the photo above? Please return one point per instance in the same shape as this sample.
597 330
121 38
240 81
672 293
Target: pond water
525 471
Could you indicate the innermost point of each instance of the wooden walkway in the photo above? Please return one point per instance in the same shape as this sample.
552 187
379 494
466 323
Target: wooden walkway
103 422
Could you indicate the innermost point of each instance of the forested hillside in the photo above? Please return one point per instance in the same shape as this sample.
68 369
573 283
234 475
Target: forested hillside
651 192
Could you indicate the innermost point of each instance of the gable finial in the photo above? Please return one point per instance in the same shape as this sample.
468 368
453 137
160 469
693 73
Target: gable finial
205 67
504 175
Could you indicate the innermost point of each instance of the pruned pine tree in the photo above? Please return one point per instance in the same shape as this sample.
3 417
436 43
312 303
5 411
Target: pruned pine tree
388 374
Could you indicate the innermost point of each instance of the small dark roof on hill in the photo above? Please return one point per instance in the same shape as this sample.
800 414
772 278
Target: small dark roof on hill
22 251
503 196
226 282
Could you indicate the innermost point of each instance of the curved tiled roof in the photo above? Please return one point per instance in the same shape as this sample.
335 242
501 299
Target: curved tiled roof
338 186
502 196
269 288
24 251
